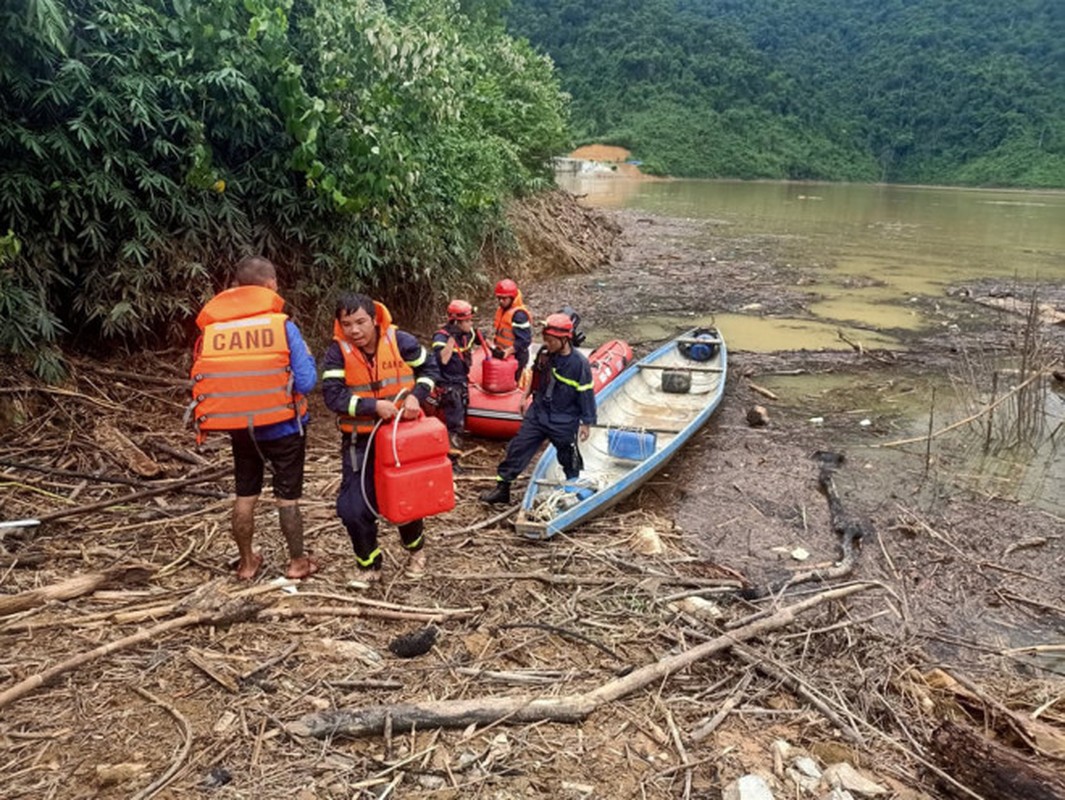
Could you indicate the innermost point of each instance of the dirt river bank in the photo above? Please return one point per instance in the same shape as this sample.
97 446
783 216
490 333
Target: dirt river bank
662 651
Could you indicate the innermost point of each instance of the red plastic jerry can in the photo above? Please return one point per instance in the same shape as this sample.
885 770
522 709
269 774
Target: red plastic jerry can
499 375
412 473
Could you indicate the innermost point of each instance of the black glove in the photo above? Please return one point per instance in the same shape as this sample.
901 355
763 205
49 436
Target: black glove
497 352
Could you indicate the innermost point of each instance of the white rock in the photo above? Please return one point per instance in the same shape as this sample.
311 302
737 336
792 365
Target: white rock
225 722
807 766
781 750
497 750
865 423
804 782
466 758
647 542
817 420
581 789
114 774
698 607
749 787
844 776
800 554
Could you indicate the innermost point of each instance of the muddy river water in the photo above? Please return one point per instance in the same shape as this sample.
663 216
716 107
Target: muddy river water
875 260
874 248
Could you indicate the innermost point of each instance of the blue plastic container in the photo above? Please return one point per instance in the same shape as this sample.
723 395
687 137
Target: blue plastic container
633 445
582 492
698 351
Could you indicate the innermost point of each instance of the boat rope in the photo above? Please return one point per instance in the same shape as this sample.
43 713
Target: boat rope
369 447
550 504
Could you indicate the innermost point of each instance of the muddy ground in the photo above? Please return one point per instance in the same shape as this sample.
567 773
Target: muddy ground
747 494
958 580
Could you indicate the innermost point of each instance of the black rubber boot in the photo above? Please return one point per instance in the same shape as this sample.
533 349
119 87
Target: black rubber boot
500 494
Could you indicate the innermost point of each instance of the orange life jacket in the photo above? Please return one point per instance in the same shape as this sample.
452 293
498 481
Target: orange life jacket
241 371
388 376
504 322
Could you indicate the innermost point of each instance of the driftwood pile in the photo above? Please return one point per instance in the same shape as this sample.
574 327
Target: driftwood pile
133 664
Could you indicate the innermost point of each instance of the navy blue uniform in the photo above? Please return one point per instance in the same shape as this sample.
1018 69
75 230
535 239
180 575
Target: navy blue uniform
522 325
563 400
357 483
453 389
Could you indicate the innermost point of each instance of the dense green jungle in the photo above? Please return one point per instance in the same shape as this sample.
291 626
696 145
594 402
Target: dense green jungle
968 92
146 144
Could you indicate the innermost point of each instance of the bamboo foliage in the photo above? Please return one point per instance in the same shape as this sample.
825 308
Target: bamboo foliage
146 145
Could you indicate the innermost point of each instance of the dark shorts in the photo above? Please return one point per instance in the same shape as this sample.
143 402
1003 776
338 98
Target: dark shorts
286 456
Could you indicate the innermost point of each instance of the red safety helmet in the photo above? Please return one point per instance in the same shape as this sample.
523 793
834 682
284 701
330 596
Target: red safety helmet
459 310
559 325
506 288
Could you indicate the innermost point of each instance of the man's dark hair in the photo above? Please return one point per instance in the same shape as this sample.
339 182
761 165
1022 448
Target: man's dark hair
255 271
350 302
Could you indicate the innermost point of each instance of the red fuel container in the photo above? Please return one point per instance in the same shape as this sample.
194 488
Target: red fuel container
412 473
499 375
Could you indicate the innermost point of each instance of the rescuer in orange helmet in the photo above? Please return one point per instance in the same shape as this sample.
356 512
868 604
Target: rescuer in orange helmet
453 351
562 410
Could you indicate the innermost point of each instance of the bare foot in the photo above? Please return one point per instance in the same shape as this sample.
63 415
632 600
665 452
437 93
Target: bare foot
247 571
416 564
302 567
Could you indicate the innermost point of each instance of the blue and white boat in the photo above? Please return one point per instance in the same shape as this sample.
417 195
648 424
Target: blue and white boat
644 417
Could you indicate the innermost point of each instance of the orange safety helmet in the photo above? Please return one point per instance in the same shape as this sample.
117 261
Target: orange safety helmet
559 325
459 310
506 288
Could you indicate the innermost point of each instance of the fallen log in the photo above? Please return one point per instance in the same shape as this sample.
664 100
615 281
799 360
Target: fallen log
523 709
130 575
991 769
117 444
207 606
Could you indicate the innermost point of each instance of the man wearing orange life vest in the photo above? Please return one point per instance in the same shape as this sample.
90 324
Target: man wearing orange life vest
512 324
366 368
251 374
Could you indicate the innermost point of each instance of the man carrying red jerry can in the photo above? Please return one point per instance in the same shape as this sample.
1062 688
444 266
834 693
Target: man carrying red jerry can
513 326
372 374
563 408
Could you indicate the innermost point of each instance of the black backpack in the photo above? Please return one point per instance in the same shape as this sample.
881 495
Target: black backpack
578 334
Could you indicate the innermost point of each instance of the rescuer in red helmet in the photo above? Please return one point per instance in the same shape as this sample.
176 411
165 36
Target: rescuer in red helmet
512 324
562 410
453 351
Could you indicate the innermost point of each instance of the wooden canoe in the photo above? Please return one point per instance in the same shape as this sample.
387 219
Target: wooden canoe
641 426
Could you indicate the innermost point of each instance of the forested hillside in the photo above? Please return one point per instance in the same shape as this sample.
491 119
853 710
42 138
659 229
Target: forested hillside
146 144
938 91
